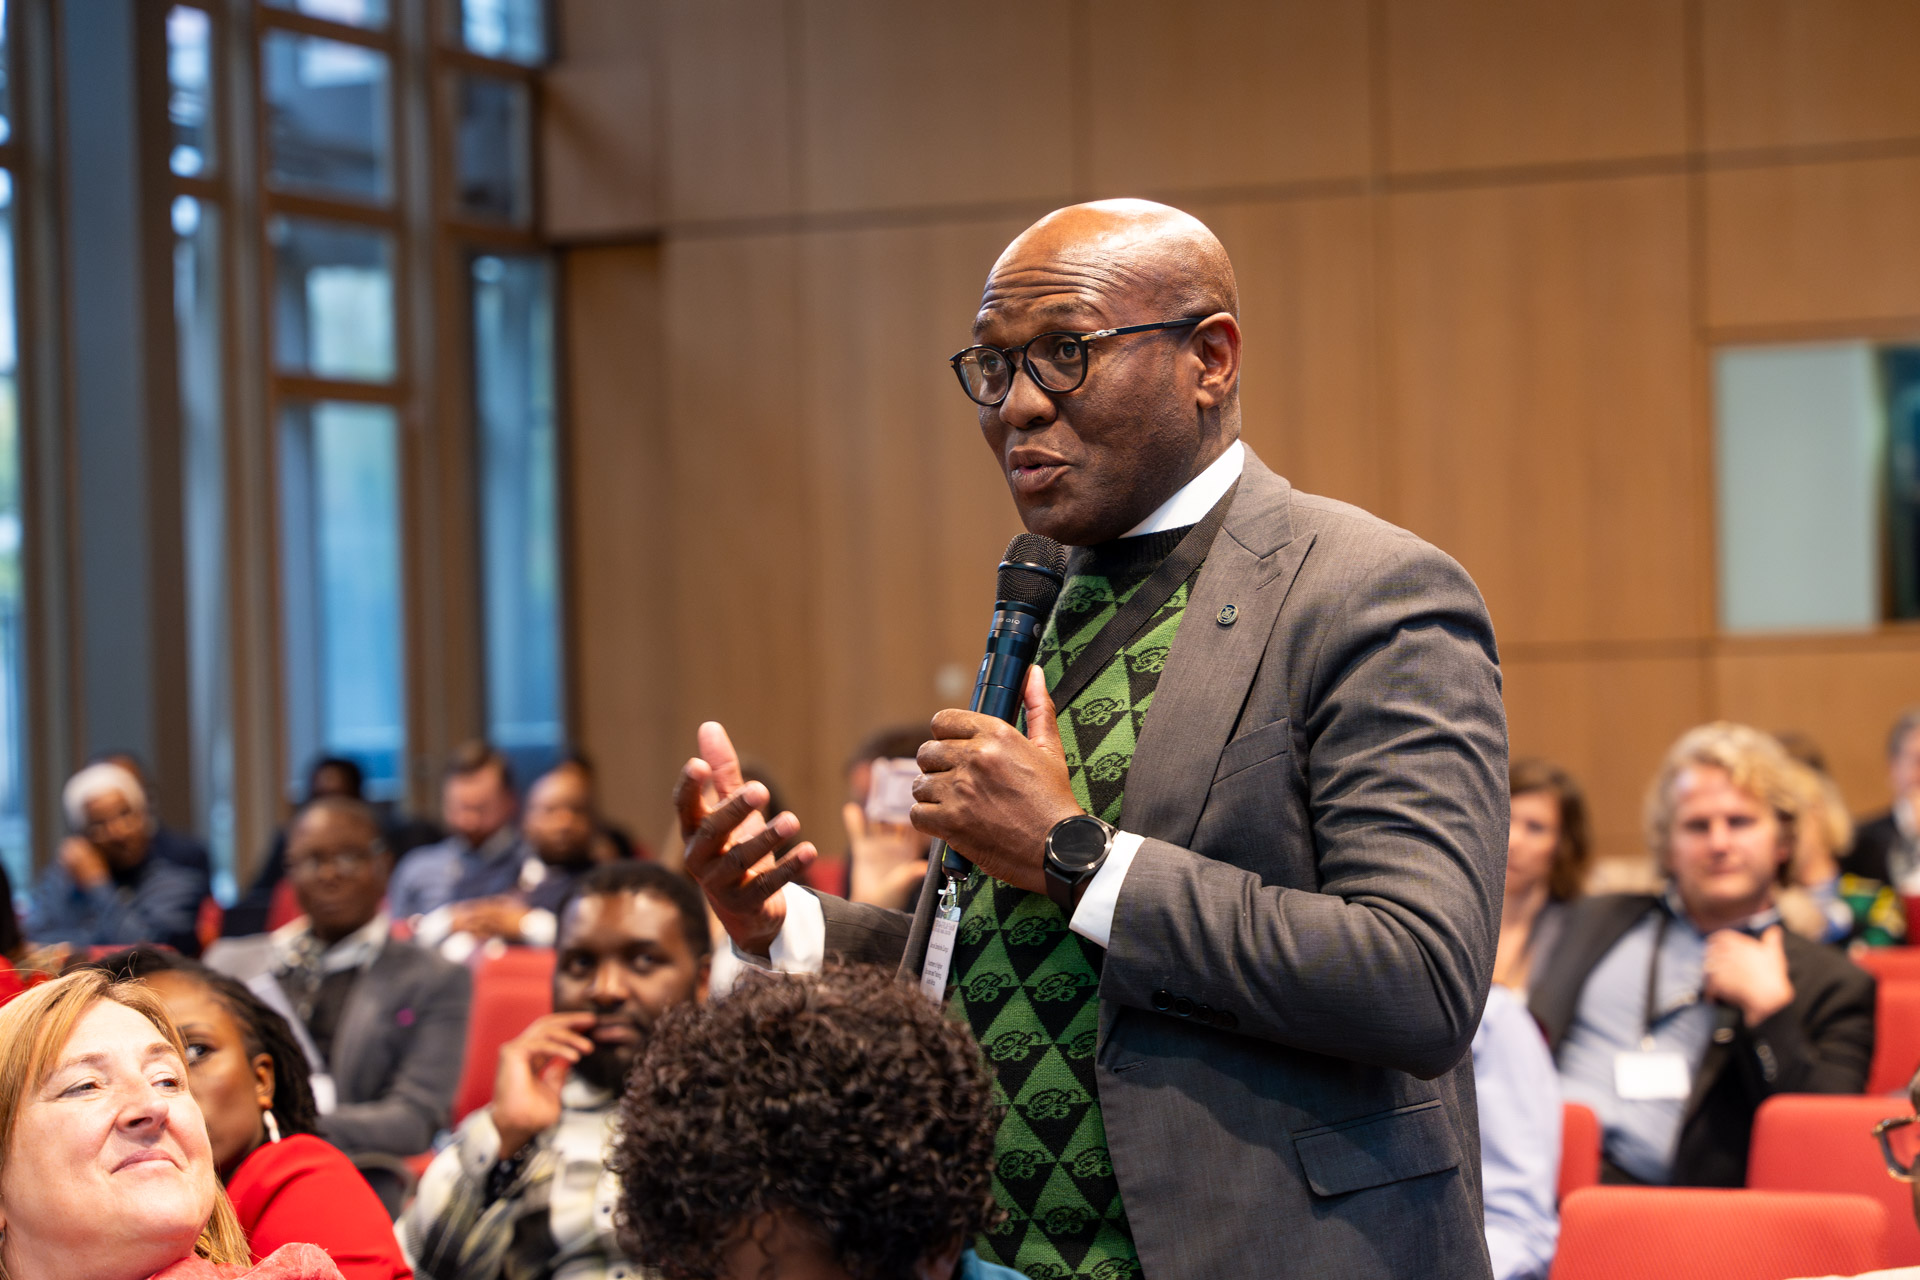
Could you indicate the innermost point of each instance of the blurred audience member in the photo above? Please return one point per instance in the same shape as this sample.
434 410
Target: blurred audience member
384 1022
250 1078
166 844
483 856
1823 902
106 888
886 857
1675 1016
1519 1094
1887 847
836 1126
105 1167
13 943
328 776
524 1192
558 839
1547 855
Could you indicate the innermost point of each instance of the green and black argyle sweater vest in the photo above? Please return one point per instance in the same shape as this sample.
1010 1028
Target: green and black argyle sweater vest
1029 987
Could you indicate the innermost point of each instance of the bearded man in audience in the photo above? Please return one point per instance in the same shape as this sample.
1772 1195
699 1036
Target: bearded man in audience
108 887
483 855
384 1022
1674 1016
524 1192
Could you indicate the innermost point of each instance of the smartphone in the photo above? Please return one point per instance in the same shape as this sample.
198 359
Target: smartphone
890 792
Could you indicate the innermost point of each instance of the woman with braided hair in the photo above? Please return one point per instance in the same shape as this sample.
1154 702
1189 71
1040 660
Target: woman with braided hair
250 1076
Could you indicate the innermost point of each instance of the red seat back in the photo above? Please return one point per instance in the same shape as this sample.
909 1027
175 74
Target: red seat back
282 907
1670 1233
1896 1035
509 992
1813 1142
1890 962
1579 1149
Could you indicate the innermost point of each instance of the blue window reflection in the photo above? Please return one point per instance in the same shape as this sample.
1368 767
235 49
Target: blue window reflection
327 116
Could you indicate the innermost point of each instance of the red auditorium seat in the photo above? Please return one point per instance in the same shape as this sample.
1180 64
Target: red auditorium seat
1579 1148
1817 1142
1896 1036
509 992
1672 1233
1890 962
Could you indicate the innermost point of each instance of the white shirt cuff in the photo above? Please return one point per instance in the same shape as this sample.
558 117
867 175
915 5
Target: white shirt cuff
538 928
1093 918
799 947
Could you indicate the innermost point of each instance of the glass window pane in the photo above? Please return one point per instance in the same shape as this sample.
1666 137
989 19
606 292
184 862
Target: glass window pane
491 157
519 516
189 90
356 13
514 30
1797 452
1900 374
14 846
332 300
197 324
327 112
6 73
340 574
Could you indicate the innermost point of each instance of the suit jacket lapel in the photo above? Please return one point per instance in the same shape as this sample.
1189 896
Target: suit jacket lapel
1201 693
359 1023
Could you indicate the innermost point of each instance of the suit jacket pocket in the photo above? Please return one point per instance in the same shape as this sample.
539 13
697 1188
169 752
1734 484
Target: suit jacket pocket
1374 1150
1257 747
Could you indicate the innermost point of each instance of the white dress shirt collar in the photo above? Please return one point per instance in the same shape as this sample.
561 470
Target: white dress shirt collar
1197 496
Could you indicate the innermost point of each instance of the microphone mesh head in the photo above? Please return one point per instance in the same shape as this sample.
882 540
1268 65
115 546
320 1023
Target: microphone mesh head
1032 571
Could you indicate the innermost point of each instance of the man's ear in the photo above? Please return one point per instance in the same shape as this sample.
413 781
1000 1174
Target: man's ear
1217 343
701 978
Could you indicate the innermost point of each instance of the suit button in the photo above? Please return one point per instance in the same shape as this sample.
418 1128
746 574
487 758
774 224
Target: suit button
1183 1008
1723 1035
1162 999
1226 1021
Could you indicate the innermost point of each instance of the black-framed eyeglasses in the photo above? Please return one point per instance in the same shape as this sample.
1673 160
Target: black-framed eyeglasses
1056 361
1899 1145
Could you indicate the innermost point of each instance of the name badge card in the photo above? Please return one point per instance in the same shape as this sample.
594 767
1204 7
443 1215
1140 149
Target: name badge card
933 975
1652 1076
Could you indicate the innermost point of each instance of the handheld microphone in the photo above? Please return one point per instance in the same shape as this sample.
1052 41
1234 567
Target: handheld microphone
1031 575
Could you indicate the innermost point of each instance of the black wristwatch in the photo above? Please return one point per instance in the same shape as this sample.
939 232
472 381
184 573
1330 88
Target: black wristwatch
1077 848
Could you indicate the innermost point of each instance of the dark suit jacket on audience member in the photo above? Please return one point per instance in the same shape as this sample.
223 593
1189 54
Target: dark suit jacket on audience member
1873 842
1302 947
1821 1043
158 901
398 1049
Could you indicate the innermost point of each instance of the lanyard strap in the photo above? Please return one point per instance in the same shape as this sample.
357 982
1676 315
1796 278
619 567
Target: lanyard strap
1653 976
1140 607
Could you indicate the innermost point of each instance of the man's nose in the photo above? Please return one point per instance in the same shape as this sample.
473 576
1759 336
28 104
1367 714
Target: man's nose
609 985
1027 406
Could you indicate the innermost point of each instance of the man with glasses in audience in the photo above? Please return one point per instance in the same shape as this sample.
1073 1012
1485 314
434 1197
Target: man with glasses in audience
1234 912
108 887
384 1022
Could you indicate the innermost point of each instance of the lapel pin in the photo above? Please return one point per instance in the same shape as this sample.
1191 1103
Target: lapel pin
1227 614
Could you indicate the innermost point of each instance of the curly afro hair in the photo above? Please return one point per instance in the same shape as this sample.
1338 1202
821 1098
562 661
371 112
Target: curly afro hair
845 1099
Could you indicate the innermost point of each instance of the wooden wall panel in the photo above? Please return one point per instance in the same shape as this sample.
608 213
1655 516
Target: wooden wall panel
1813 243
1782 73
911 513
599 124
1306 309
729 101
744 542
1491 83
909 105
1608 722
1237 94
1845 692
620 531
1541 419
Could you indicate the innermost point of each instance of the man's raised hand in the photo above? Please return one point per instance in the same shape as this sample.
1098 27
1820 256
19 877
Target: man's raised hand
730 845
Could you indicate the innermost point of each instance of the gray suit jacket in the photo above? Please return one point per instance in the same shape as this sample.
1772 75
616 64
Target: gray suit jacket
398 1050
1303 945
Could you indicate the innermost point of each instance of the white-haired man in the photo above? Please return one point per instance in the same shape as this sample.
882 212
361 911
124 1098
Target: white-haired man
105 889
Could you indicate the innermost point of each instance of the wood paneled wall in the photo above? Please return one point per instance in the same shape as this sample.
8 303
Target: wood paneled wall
1485 248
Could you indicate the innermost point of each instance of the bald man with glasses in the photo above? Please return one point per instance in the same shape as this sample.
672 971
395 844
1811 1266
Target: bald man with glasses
1234 910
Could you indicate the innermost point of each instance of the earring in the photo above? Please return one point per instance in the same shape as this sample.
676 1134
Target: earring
273 1126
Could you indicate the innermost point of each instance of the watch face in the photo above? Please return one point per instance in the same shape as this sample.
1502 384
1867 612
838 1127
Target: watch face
1078 843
